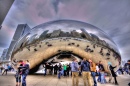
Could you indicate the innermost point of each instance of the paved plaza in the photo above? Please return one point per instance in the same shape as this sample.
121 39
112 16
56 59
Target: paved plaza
41 80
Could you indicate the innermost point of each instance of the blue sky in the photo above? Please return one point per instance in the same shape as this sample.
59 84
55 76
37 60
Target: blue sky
112 16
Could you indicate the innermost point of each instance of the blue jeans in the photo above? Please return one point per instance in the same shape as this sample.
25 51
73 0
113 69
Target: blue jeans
24 79
94 79
99 77
59 74
103 80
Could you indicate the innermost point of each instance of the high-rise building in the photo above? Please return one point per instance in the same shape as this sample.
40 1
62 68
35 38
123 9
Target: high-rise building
22 29
4 54
4 8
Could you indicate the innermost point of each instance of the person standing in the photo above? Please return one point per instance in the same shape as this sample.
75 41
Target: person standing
86 72
59 70
74 70
25 71
44 69
27 62
18 74
101 73
101 68
93 71
68 69
112 72
64 68
55 69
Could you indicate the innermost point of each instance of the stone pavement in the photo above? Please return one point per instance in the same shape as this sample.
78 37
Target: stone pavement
40 80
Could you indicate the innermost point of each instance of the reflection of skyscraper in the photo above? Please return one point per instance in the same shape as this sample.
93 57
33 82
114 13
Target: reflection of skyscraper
43 35
4 8
94 37
22 29
31 39
87 35
56 33
103 42
75 34
62 34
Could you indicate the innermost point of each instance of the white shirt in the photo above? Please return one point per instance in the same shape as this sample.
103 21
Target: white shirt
97 68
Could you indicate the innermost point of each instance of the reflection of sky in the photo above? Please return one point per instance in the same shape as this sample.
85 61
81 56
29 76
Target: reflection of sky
70 25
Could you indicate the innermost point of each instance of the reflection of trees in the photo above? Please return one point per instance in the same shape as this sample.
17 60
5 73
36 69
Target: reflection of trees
92 38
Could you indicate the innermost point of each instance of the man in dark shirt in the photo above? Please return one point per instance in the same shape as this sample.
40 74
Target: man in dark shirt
55 69
59 70
85 65
111 68
101 68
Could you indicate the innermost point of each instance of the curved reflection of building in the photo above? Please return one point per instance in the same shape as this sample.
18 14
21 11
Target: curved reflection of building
64 39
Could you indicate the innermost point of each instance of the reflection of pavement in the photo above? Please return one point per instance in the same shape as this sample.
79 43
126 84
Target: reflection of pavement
40 80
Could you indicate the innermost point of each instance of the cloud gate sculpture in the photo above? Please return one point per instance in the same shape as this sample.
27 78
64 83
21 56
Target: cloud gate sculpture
66 38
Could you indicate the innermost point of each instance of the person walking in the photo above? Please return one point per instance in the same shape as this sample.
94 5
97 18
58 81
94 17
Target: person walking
112 72
85 65
93 71
5 69
74 70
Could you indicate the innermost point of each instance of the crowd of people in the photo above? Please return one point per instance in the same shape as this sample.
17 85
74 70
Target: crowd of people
86 68
5 68
125 69
21 68
89 69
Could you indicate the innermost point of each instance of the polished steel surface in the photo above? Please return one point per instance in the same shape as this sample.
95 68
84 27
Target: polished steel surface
45 40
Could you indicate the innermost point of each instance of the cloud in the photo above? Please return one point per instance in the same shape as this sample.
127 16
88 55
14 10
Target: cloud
113 17
55 4
44 10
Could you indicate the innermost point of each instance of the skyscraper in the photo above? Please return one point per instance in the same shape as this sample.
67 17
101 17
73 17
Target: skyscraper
4 54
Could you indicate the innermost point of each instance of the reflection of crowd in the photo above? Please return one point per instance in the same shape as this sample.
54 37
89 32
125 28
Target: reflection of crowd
55 69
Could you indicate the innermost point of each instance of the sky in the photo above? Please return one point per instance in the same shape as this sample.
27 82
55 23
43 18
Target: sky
111 16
